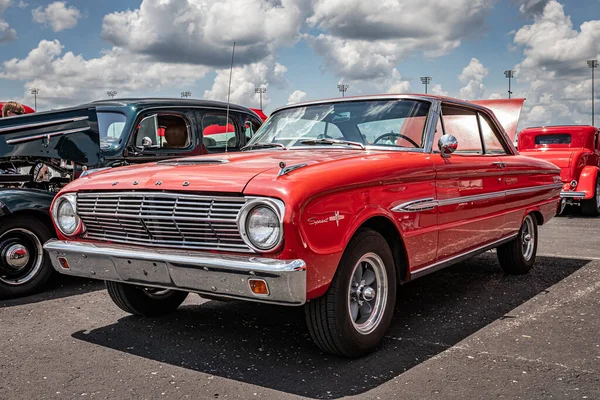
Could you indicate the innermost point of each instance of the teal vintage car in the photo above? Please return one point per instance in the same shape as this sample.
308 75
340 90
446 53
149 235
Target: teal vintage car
42 152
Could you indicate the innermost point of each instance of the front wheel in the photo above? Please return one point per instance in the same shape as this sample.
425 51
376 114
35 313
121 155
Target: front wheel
144 301
518 255
352 317
24 267
591 207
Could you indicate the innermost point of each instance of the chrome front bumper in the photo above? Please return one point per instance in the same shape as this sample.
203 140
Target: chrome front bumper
572 195
204 273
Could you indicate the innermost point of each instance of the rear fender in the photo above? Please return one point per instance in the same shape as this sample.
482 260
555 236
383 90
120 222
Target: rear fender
587 181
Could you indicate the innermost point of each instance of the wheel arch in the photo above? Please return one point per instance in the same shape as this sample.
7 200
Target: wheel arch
386 227
587 181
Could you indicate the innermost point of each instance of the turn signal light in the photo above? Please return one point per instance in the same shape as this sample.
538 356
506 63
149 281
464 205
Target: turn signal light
63 262
258 286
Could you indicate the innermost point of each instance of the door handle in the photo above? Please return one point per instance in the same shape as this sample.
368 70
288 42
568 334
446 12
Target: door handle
499 164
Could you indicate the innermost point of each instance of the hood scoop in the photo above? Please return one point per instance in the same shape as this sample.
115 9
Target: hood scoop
193 161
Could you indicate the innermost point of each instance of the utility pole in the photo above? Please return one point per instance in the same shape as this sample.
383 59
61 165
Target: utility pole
425 80
509 73
34 92
111 93
592 64
343 88
186 94
260 91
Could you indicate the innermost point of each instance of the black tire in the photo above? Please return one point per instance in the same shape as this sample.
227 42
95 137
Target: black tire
591 207
516 257
30 233
146 302
328 317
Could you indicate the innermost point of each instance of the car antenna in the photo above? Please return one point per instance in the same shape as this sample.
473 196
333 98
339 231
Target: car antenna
228 97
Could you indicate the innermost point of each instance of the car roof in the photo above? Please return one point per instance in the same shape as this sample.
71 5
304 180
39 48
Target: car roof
165 101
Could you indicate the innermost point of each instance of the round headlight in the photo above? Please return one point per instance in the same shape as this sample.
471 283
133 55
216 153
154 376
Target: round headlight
65 216
263 228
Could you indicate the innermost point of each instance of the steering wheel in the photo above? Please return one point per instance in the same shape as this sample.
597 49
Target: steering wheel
395 136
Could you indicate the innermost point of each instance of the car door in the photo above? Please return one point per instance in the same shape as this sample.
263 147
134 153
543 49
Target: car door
469 187
163 134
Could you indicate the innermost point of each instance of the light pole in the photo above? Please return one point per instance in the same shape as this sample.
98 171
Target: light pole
186 94
592 64
425 80
509 73
260 91
34 92
343 88
111 93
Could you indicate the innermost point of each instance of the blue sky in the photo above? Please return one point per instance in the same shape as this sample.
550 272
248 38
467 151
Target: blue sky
306 53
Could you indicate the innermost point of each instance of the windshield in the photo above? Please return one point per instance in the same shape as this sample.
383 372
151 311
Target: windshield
110 126
392 123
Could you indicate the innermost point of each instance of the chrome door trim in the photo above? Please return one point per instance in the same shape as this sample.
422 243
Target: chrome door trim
431 203
46 135
459 257
39 124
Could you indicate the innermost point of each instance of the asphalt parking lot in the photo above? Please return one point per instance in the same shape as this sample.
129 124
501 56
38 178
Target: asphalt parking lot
465 332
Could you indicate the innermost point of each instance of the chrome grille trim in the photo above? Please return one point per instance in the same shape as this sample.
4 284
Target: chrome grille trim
163 219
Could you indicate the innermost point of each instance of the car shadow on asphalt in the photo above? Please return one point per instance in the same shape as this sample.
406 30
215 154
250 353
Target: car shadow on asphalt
59 286
270 346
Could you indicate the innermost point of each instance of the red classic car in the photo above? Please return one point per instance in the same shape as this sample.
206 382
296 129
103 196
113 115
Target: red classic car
331 206
576 150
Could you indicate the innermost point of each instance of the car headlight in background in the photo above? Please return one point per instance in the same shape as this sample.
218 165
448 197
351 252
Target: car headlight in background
260 224
65 215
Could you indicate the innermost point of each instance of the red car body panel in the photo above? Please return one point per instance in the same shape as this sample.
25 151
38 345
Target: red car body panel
360 185
578 160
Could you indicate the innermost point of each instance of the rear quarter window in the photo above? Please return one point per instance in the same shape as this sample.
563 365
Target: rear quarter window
560 138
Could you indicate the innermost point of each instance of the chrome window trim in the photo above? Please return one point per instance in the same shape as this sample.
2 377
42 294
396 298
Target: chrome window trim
431 203
40 124
46 135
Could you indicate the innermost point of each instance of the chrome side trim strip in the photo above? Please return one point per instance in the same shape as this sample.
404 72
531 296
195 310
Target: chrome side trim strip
39 124
46 135
459 257
430 203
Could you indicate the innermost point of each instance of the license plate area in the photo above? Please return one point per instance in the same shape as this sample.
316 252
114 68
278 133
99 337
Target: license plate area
132 270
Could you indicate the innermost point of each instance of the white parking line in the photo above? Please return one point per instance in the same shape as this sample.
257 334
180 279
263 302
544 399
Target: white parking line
569 256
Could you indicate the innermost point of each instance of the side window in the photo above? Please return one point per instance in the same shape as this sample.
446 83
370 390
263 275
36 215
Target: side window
491 140
439 132
462 124
161 131
251 125
216 134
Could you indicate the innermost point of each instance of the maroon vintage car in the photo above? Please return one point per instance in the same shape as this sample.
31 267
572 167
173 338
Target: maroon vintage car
576 150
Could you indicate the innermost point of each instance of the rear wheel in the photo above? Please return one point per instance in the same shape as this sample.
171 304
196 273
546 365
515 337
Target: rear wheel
518 255
591 207
352 317
24 267
144 301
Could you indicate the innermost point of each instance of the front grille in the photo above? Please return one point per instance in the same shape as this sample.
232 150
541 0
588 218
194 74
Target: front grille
163 219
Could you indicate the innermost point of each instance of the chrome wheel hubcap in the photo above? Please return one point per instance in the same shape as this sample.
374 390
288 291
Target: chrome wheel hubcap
17 256
156 293
528 238
21 256
367 293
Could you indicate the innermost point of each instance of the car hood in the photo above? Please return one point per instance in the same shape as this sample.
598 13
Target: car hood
228 173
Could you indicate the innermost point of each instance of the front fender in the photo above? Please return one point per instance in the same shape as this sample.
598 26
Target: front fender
15 200
587 181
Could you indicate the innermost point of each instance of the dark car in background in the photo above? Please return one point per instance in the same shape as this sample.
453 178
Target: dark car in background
42 152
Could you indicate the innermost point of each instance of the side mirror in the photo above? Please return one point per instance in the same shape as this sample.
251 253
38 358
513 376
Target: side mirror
447 145
146 142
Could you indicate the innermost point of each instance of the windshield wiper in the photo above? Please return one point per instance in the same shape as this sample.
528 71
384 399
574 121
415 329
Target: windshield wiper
249 146
333 141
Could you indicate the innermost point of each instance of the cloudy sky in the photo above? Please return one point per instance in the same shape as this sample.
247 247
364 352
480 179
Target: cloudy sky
76 50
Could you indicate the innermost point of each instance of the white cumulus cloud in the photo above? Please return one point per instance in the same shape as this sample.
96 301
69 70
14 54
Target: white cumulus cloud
6 32
473 75
57 15
297 96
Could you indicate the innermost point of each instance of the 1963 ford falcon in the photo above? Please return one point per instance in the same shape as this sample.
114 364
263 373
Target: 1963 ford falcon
332 205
